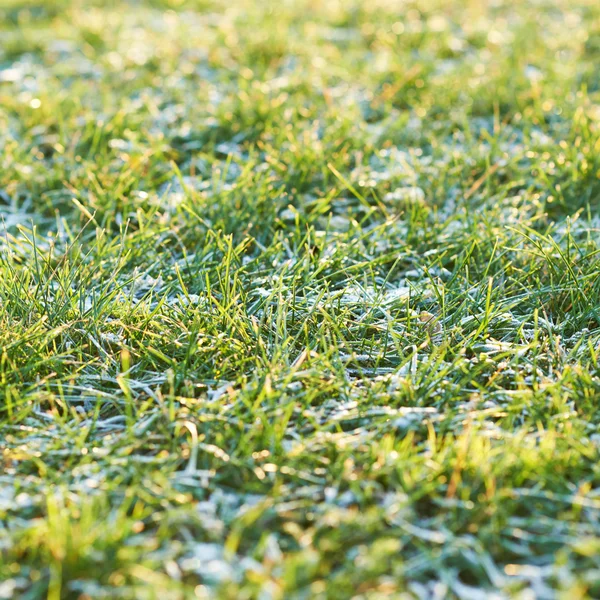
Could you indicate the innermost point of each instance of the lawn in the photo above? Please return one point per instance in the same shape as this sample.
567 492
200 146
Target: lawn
299 299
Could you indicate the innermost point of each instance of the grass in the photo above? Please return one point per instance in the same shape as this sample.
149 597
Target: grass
299 299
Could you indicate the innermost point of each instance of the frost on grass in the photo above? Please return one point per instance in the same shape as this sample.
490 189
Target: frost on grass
299 303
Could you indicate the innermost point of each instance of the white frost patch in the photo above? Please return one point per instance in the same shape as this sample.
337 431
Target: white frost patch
211 563
370 296
405 194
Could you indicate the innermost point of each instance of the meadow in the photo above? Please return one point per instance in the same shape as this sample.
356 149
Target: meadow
299 299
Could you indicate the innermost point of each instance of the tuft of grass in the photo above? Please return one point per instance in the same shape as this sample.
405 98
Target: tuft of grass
299 299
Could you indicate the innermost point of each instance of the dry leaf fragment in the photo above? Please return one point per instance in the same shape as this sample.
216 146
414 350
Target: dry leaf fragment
431 322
